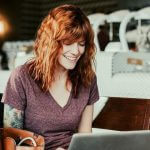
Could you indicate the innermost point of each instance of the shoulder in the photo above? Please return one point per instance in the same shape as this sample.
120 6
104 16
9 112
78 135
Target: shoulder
19 72
91 84
90 94
93 81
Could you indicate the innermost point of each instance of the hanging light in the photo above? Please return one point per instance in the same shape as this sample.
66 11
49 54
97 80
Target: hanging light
2 27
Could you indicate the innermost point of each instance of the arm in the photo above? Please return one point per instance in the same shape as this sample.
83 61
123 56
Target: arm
13 117
86 120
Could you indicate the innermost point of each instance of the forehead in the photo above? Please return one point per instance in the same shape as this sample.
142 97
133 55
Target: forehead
73 40
74 34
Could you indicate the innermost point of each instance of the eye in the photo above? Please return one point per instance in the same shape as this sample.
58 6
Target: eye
82 43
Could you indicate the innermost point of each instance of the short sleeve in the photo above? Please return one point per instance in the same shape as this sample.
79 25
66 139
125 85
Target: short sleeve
94 93
14 94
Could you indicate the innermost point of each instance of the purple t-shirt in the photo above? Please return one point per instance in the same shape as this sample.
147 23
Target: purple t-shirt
43 115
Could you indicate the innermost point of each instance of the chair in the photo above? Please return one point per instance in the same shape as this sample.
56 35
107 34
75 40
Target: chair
125 74
139 35
15 49
115 17
96 20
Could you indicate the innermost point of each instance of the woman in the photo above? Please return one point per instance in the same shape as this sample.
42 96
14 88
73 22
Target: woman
53 94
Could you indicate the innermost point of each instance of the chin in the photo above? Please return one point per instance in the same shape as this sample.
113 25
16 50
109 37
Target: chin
69 67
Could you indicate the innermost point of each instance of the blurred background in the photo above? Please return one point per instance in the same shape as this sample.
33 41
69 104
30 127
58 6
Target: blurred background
20 19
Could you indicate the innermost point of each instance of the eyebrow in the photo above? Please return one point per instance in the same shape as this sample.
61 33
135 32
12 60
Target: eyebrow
81 41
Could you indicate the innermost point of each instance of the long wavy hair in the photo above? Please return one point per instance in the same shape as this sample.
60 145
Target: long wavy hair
65 22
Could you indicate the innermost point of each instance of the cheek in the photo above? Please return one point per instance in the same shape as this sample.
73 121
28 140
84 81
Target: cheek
82 50
61 53
60 58
64 49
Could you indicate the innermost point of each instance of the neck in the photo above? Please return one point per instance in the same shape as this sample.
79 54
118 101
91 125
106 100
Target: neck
61 74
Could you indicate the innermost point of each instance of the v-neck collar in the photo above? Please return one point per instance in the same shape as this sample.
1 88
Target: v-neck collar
59 106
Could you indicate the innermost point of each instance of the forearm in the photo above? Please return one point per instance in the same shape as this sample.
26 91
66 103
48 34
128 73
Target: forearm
85 125
13 117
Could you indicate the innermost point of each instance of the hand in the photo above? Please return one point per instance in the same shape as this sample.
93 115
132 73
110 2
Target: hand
59 148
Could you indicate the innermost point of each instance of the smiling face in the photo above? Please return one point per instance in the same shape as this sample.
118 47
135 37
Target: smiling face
70 54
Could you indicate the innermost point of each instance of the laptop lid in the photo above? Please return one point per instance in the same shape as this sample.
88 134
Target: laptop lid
125 140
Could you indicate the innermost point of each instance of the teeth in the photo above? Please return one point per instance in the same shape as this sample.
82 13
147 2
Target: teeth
71 58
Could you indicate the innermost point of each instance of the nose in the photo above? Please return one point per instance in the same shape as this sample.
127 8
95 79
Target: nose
75 48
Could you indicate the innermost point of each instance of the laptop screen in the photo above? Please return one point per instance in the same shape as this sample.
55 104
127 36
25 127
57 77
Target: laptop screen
125 140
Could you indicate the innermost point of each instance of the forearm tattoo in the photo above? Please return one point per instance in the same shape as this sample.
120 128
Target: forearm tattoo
13 117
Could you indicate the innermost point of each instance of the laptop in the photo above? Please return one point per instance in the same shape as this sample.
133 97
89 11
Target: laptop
124 140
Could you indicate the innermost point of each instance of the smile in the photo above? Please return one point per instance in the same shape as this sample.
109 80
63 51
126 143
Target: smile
70 58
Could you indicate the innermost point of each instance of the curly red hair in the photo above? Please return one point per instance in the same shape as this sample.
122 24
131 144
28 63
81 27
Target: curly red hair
66 22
